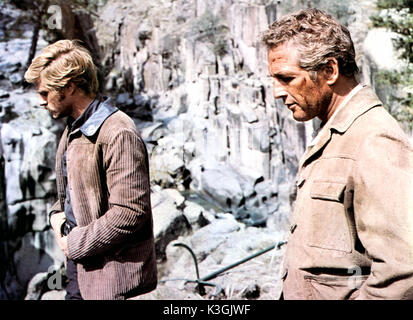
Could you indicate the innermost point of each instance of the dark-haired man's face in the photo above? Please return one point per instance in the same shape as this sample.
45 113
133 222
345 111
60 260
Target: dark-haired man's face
305 97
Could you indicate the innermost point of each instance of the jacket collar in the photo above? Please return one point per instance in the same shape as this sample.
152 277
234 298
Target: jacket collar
92 125
360 103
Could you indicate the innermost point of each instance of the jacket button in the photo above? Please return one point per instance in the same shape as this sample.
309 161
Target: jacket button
293 227
300 182
284 274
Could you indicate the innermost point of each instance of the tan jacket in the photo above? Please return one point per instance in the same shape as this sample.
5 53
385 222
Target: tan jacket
108 175
351 231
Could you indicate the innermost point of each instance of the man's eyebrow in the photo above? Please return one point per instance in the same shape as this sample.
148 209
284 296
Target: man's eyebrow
285 74
273 74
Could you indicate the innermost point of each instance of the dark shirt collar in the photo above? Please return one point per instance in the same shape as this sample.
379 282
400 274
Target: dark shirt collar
93 117
77 123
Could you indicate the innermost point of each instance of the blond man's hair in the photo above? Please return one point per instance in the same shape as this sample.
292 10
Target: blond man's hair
64 62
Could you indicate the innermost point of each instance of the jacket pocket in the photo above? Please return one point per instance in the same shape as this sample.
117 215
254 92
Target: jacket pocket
328 224
334 287
328 190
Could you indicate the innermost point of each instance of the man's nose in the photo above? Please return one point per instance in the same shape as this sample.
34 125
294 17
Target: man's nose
278 90
43 102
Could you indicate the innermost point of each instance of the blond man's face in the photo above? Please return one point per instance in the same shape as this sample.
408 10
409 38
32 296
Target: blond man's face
56 102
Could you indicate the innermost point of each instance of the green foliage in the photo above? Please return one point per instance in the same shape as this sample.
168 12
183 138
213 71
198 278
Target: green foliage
400 102
397 16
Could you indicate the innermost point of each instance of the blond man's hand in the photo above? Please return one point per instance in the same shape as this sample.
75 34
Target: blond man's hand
56 221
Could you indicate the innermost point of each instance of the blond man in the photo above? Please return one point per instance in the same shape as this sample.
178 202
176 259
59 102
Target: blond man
102 218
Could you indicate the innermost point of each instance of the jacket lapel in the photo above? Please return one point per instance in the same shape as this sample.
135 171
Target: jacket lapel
92 125
359 104
312 150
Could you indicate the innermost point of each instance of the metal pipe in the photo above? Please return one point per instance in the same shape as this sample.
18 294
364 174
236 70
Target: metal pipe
193 256
216 273
203 281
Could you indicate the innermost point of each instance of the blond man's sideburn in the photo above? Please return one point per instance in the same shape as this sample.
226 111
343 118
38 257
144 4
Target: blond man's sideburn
63 62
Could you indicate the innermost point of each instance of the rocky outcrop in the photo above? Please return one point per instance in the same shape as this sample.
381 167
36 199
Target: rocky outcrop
27 146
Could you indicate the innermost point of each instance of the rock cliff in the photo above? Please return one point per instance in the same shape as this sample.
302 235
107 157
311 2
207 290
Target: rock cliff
214 127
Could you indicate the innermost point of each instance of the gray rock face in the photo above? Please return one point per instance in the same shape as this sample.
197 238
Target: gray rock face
28 144
218 132
27 147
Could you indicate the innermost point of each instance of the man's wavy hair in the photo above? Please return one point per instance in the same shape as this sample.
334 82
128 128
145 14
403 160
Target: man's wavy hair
317 37
63 62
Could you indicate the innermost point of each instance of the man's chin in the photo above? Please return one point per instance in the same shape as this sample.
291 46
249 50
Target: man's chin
301 117
298 114
57 116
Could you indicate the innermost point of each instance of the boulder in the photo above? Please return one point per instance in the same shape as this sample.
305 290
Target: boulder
169 221
222 184
223 243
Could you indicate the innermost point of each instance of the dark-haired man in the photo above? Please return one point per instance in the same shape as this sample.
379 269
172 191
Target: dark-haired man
351 233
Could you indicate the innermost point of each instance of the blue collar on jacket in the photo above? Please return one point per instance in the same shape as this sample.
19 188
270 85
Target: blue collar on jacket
92 125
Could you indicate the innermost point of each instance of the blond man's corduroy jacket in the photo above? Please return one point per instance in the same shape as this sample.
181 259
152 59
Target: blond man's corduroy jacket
108 181
351 233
